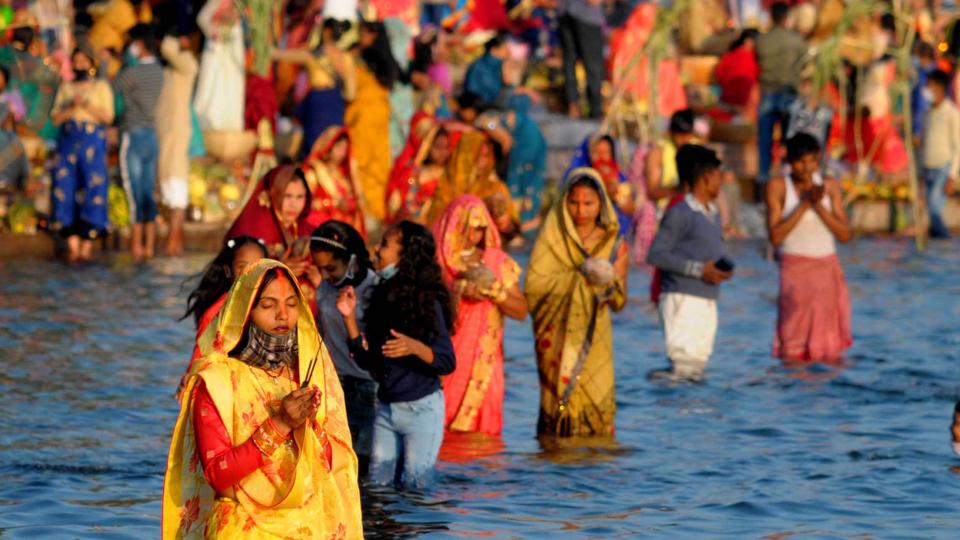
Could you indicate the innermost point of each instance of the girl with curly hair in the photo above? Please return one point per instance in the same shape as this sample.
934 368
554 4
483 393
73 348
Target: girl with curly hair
406 347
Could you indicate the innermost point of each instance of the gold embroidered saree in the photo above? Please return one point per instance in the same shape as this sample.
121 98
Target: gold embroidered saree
571 323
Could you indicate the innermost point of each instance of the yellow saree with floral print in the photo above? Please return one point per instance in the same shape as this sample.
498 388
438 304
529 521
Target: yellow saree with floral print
307 488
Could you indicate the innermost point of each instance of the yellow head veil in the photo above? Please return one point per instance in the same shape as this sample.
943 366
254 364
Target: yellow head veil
188 501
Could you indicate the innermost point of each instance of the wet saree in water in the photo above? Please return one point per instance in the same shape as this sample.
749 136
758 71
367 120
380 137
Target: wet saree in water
306 488
473 393
577 395
333 189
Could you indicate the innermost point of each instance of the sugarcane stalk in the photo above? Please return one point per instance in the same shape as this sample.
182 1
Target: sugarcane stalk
908 33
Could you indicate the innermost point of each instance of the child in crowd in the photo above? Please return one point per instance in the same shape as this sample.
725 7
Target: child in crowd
808 114
406 346
341 260
939 149
689 251
805 220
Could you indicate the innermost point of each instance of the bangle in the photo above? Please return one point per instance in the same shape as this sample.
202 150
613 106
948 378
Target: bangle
276 428
267 438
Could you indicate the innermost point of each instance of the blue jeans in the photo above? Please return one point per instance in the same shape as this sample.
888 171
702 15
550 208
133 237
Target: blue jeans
138 166
774 107
360 397
936 180
406 441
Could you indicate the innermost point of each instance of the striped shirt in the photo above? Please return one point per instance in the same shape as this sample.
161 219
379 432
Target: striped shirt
139 86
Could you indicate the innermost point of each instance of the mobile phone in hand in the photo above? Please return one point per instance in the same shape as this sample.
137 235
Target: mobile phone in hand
724 264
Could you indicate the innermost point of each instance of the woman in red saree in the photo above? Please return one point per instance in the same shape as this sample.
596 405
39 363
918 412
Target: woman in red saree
330 173
276 211
486 282
413 185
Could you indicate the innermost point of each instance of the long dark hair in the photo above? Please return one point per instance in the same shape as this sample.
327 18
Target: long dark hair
749 33
407 301
378 57
217 277
343 241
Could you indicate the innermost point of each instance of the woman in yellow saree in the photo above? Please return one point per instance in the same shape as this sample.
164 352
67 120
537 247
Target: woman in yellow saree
368 116
261 448
472 171
577 273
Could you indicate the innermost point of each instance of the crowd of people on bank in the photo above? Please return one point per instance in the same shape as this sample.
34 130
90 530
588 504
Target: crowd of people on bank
380 95
318 361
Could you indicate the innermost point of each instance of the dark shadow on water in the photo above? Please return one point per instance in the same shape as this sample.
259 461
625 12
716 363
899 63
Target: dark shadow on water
392 513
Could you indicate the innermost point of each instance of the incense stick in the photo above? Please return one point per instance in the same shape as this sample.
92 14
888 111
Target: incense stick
310 368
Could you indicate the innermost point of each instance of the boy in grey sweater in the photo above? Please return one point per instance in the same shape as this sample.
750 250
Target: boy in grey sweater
686 251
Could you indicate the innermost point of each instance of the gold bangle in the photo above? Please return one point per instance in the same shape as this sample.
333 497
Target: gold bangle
276 430
267 438
265 442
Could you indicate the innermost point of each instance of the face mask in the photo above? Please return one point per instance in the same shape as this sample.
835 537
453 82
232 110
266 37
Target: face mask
388 272
81 74
348 275
956 448
133 51
927 94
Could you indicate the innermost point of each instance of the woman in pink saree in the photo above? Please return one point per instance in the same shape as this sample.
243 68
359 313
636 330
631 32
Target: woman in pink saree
485 281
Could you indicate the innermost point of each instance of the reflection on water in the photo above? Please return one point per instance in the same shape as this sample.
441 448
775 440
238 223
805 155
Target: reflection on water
90 356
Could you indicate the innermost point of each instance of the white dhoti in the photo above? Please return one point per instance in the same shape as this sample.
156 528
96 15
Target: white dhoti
689 328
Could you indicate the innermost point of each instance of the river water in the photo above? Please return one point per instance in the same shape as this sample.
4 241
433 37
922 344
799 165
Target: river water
90 357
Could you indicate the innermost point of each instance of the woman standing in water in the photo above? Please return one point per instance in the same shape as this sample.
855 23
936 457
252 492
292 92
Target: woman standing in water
577 274
406 347
205 301
341 259
261 448
486 282
83 108
804 219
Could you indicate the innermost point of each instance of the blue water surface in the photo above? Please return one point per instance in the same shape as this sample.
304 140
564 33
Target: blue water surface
90 357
